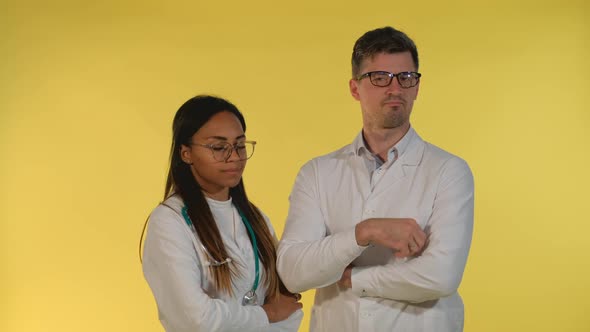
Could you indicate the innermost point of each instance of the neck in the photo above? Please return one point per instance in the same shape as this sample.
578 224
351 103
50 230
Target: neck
380 140
220 195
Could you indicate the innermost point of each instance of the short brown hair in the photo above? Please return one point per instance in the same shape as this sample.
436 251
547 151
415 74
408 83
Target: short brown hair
382 40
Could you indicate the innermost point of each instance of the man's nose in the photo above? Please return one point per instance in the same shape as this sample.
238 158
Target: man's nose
394 87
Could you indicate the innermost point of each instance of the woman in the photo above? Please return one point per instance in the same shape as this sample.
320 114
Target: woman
199 255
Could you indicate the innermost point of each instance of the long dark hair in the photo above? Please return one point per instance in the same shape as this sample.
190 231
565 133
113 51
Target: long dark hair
189 118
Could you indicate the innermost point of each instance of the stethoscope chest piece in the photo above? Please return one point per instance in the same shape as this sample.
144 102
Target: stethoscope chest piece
250 298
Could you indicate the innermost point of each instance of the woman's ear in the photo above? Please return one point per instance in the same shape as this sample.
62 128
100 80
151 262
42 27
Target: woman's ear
185 154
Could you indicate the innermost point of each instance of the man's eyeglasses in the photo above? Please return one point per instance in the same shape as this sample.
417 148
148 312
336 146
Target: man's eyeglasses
406 79
223 150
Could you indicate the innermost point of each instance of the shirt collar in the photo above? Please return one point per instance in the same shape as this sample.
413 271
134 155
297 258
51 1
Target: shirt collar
360 148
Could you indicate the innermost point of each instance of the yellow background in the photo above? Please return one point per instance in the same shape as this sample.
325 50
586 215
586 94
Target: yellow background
88 90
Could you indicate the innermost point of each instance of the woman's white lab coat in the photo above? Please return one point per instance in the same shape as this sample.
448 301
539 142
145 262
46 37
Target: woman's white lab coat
176 269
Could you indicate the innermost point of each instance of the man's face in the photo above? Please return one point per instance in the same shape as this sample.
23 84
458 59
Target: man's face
385 107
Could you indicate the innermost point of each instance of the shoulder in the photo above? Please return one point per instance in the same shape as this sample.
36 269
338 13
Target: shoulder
431 156
265 218
167 234
167 213
447 167
268 223
329 161
436 155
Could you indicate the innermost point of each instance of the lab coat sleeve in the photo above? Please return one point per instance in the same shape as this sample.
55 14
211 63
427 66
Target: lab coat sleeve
292 323
173 271
307 258
438 271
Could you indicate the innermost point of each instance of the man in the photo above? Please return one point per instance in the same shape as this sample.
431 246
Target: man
382 227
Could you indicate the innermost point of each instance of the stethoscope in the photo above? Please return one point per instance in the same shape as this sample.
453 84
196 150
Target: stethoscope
250 298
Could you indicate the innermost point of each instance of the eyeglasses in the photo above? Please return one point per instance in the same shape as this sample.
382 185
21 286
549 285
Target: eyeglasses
222 151
406 79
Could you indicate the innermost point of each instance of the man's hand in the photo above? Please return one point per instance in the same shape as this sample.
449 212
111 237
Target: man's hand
346 279
403 235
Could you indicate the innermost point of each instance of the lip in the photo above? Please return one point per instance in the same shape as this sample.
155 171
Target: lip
394 102
233 170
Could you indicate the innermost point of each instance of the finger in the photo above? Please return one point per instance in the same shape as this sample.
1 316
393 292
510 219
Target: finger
419 239
297 305
412 247
402 252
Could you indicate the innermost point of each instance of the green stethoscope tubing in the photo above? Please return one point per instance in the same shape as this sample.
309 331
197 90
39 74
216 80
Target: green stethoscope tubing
188 221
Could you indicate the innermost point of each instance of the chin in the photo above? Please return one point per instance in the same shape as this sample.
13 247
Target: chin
234 183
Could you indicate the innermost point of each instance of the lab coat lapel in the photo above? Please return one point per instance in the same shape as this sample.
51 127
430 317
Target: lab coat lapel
404 166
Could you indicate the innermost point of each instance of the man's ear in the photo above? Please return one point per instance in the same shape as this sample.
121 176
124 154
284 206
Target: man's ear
354 88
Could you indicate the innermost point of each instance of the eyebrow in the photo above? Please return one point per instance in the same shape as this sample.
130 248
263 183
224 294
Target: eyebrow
221 138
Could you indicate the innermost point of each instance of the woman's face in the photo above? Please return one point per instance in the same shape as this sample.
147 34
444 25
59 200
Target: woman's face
214 176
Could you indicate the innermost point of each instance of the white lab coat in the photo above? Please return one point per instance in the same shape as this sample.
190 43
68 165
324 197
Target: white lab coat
335 192
175 267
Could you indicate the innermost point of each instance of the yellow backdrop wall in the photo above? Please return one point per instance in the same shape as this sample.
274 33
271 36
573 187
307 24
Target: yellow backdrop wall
88 91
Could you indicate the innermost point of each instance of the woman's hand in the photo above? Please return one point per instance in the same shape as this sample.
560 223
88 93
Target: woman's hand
281 307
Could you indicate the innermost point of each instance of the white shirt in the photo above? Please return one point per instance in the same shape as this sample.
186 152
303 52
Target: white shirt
333 193
176 269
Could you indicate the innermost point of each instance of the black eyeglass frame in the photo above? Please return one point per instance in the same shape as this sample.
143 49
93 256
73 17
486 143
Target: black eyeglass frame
413 74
